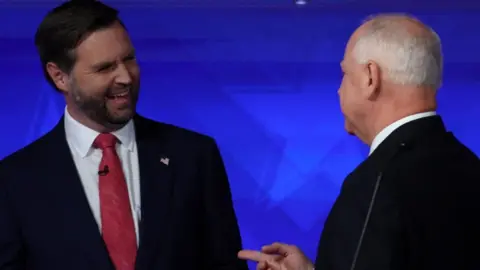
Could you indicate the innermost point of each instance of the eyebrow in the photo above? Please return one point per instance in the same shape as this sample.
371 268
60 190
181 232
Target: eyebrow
103 65
106 64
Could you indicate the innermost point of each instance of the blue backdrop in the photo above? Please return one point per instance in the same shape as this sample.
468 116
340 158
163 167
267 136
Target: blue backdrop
259 76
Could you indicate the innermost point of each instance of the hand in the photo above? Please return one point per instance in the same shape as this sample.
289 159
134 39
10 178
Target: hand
278 256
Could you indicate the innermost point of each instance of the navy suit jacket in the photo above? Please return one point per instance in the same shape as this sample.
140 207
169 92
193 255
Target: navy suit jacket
424 214
188 220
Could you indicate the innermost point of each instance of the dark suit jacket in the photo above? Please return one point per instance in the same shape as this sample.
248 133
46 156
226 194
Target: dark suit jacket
188 221
426 214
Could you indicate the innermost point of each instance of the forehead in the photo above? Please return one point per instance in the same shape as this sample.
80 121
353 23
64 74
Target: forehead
105 45
347 57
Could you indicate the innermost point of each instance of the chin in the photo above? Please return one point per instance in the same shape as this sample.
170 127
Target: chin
349 128
120 119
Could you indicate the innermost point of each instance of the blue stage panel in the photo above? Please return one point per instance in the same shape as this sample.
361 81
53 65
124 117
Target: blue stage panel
263 81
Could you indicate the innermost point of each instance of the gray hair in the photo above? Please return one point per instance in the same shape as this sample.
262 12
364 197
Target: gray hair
406 58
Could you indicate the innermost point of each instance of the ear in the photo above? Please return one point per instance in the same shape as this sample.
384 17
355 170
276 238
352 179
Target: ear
58 77
372 80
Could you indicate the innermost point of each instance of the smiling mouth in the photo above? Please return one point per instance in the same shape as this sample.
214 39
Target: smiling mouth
119 95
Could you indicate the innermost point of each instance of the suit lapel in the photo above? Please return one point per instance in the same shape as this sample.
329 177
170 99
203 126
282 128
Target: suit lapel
68 196
156 186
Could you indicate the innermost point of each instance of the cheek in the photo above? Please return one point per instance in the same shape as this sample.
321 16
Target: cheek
347 100
343 96
347 110
133 70
97 85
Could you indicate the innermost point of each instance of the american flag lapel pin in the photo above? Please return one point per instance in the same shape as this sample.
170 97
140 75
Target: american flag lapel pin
165 160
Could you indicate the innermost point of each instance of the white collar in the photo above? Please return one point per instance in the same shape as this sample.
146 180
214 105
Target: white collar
81 137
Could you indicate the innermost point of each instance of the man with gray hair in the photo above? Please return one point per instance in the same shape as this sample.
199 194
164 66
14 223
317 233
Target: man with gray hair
413 203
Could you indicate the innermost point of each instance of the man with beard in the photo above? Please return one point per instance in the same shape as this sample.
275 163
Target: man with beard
413 203
107 188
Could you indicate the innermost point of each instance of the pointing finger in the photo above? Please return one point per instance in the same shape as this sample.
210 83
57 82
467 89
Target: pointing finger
253 255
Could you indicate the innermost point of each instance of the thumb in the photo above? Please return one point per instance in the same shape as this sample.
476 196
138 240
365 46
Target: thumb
264 266
272 265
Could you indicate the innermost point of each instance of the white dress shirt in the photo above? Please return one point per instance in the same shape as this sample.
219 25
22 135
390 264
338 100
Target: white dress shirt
392 127
87 160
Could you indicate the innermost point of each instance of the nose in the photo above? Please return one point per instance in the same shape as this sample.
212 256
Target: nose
123 75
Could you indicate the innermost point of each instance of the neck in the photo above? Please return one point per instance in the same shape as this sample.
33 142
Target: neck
390 112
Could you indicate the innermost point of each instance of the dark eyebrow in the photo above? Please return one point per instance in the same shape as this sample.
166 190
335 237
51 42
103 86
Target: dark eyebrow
107 64
102 65
130 54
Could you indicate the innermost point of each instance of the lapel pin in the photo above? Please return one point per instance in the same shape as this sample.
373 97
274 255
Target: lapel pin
165 160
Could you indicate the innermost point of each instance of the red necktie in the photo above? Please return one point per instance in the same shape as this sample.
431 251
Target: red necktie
118 229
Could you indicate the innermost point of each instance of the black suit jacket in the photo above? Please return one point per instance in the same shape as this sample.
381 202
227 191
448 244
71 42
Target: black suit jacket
188 221
426 213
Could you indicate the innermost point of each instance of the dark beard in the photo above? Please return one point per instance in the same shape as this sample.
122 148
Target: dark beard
95 107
